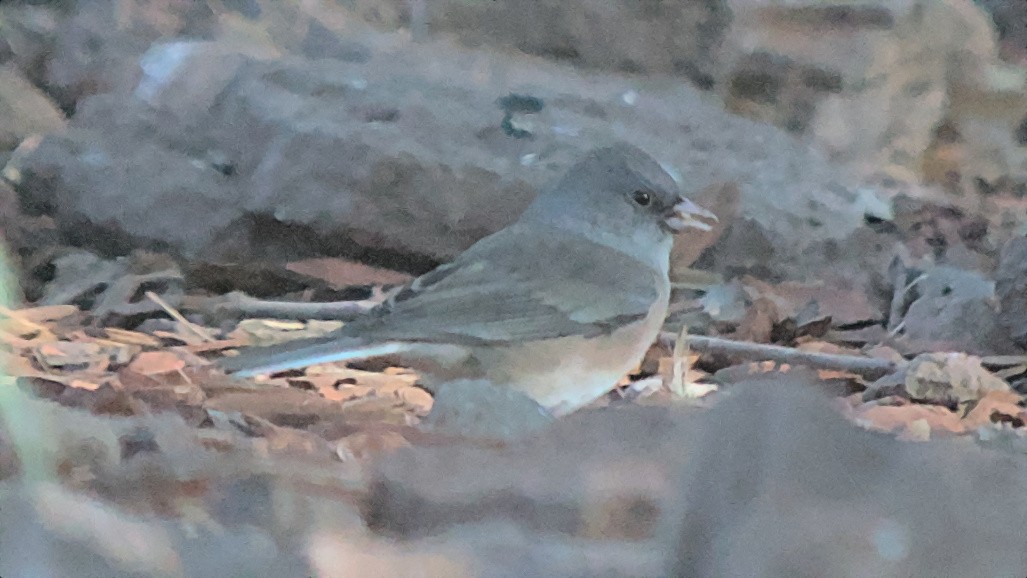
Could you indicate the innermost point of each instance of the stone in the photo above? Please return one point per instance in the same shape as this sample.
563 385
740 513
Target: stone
402 156
24 110
958 308
663 36
1011 287
600 473
780 485
480 410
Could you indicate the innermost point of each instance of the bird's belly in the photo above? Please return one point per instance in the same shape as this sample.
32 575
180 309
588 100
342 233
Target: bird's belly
565 374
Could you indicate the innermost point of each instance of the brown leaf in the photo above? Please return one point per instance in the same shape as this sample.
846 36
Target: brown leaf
19 366
47 313
131 337
906 419
385 383
342 556
156 363
215 345
720 199
65 354
417 399
344 273
947 377
83 384
759 321
842 303
996 406
344 392
365 444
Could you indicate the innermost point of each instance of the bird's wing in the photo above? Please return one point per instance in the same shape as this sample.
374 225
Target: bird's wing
515 286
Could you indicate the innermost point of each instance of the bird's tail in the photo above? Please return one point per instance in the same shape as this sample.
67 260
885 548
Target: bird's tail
305 352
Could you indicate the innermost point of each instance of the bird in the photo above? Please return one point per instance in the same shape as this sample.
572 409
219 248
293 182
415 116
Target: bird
559 305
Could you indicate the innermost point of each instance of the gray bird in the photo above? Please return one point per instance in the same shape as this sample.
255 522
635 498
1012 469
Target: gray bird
559 305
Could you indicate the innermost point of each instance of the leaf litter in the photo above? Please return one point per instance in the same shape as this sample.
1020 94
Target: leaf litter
319 429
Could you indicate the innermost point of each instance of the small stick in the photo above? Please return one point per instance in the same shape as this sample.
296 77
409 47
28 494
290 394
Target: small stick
242 305
679 374
866 366
895 319
178 316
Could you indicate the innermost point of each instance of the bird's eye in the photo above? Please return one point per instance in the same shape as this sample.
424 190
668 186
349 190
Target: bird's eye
641 198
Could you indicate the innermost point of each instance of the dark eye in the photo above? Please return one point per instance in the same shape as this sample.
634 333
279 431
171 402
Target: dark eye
641 198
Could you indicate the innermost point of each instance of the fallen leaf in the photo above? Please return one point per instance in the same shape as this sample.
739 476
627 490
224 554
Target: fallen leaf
996 406
345 392
386 383
344 273
47 313
898 418
949 377
215 345
365 444
131 337
156 363
274 331
417 399
66 354
83 384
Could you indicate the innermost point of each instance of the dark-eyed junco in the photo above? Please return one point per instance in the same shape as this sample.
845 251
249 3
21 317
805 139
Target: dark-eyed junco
560 305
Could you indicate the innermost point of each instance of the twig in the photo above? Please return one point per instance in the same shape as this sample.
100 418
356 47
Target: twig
178 316
17 316
679 370
866 366
242 305
896 321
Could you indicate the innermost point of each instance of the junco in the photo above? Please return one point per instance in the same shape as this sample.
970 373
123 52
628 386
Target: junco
560 305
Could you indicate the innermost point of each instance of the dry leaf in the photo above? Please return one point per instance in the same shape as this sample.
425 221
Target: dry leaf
83 384
996 406
365 444
18 327
385 383
345 273
156 363
215 345
898 418
274 331
340 556
46 313
328 388
949 377
417 399
131 337
63 354
181 334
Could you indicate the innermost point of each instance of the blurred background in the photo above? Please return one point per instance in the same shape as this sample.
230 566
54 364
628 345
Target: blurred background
173 171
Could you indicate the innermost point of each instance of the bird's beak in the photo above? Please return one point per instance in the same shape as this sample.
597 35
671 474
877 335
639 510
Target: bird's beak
686 214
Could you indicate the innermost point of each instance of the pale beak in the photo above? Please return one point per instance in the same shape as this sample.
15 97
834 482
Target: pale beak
686 214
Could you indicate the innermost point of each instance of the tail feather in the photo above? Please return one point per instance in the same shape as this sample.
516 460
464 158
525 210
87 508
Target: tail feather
304 352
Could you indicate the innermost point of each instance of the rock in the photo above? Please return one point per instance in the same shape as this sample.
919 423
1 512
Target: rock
883 86
595 474
112 290
940 378
770 481
24 110
661 36
403 154
1011 287
804 493
27 38
185 78
957 308
477 409
96 46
